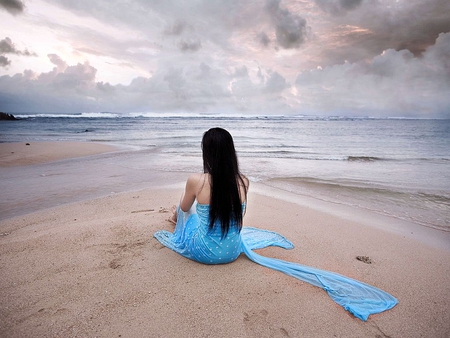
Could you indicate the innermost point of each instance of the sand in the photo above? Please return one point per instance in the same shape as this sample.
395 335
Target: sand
93 269
26 153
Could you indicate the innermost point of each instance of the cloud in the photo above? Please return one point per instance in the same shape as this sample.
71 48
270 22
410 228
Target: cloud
180 87
4 61
12 6
415 26
7 47
395 81
241 72
176 28
61 65
190 45
371 27
214 55
263 39
67 88
72 83
213 20
290 29
275 83
338 7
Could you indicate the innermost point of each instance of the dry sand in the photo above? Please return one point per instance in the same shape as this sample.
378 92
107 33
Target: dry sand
93 269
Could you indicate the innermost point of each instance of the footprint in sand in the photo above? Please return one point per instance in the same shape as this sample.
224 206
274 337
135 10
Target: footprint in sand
256 325
115 263
124 251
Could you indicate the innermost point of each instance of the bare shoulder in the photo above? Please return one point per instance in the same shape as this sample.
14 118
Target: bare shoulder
196 178
198 184
196 181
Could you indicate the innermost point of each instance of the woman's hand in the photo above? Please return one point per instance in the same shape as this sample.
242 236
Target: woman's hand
174 217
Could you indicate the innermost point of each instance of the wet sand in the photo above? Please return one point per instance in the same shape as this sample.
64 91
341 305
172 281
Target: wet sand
26 153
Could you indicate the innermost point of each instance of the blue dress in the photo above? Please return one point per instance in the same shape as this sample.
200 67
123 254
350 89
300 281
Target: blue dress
193 239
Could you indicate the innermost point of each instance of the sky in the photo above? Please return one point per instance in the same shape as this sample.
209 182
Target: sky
378 58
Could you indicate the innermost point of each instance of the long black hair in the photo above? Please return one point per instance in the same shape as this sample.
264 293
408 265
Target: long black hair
220 161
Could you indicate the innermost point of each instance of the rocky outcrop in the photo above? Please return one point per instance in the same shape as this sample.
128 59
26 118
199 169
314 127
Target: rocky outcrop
8 117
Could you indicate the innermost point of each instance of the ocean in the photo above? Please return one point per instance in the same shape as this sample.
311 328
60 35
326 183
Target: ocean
394 167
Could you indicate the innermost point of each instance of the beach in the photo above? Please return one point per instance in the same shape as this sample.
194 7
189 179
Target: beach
91 268
21 153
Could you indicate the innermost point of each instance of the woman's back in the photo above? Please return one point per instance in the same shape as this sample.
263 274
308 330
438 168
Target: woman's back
202 187
210 245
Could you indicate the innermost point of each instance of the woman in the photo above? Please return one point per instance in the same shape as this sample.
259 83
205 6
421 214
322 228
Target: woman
209 230
211 233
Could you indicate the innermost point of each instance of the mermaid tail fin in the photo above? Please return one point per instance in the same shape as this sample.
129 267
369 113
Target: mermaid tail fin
258 238
358 298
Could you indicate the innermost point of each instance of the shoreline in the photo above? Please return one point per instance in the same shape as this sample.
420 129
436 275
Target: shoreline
432 237
41 153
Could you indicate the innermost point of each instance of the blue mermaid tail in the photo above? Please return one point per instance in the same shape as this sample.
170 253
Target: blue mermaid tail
192 239
358 298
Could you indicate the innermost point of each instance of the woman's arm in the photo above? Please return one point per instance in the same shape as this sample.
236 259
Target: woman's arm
243 190
190 193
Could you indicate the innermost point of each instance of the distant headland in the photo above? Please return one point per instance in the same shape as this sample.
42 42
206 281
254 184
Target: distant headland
7 117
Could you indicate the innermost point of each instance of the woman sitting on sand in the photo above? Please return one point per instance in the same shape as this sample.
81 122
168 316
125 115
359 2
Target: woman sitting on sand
212 234
209 229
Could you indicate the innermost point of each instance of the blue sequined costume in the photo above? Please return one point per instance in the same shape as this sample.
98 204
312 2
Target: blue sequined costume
193 239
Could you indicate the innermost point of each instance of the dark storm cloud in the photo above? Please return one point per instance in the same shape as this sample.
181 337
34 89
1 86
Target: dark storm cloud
4 61
350 4
338 7
291 32
12 6
189 45
375 26
263 39
8 47
417 32
290 28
